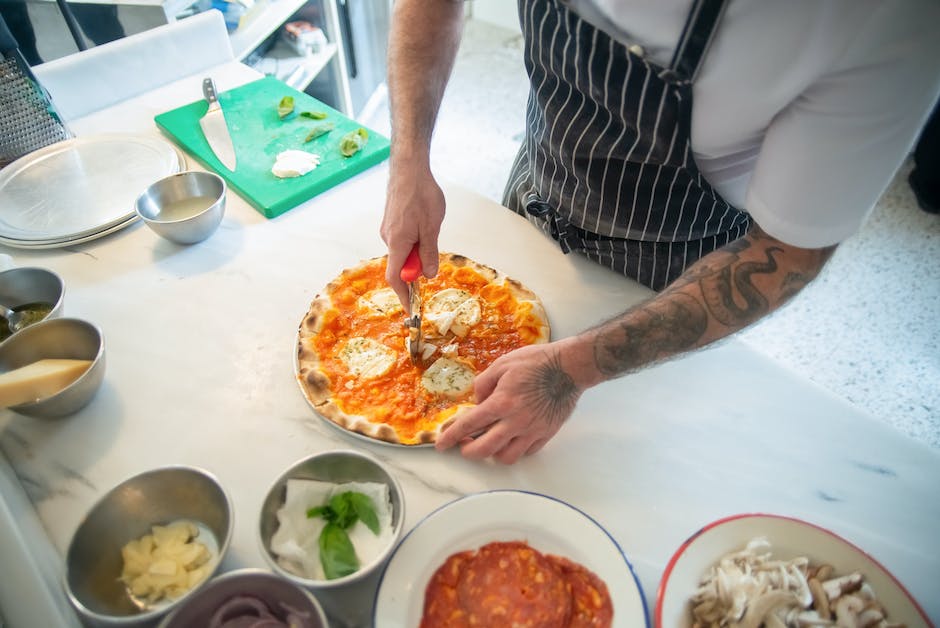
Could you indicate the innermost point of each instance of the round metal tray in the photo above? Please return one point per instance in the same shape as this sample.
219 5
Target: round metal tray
79 189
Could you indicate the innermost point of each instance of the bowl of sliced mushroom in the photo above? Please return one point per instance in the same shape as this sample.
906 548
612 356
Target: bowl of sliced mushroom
771 571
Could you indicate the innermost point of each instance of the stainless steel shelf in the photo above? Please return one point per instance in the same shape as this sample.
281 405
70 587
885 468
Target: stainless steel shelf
264 18
296 70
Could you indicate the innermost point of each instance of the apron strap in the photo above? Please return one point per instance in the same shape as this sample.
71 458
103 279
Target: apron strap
696 36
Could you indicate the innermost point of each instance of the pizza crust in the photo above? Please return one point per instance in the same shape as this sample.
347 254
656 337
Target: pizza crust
313 374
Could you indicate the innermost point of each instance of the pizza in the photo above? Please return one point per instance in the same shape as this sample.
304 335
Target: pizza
353 362
512 584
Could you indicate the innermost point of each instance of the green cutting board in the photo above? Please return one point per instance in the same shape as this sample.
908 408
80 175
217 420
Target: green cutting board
259 134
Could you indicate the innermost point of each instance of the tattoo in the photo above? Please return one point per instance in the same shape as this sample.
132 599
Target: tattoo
734 280
551 392
652 333
733 287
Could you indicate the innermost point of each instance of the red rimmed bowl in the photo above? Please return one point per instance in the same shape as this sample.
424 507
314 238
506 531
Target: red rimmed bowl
789 538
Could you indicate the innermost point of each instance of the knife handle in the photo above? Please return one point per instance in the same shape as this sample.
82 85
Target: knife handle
208 90
411 270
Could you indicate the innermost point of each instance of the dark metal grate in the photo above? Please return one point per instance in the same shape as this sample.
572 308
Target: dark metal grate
27 119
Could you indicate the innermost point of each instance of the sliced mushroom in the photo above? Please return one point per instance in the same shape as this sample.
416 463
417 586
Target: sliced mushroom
837 587
847 609
760 608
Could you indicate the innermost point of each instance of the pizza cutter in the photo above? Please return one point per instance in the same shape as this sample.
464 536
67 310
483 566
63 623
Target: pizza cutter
410 273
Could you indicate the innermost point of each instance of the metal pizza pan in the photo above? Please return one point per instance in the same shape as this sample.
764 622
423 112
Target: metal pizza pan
80 188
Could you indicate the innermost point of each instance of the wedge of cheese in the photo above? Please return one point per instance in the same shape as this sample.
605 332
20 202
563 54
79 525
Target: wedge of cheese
39 380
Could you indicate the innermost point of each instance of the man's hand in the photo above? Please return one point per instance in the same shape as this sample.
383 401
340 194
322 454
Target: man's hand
523 399
414 211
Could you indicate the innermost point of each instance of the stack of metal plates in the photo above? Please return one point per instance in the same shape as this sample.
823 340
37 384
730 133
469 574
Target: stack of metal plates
80 189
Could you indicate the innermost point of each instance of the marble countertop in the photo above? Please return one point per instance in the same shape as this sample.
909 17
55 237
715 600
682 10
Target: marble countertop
200 344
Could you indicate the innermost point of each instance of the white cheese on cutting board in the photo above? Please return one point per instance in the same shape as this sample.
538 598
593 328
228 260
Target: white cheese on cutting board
294 163
38 380
296 540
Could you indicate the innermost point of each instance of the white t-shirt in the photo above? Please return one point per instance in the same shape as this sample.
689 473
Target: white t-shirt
803 109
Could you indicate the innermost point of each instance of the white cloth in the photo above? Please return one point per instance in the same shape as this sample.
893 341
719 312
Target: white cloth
803 110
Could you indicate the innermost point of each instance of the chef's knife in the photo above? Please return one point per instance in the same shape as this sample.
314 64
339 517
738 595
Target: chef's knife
214 127
410 272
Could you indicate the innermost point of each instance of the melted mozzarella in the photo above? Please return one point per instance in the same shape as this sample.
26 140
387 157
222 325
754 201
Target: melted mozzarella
383 301
367 358
453 310
448 377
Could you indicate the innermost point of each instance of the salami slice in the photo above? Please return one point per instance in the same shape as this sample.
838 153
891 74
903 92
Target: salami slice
591 606
511 584
440 597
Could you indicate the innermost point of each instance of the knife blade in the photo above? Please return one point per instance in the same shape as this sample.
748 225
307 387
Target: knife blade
214 127
410 273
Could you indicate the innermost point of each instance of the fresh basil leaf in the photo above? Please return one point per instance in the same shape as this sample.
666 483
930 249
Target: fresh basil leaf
313 115
365 510
344 509
321 511
285 107
337 554
317 131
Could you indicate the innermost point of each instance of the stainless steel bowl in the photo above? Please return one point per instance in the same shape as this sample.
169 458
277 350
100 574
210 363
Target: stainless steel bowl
337 467
93 562
185 207
26 285
276 593
68 338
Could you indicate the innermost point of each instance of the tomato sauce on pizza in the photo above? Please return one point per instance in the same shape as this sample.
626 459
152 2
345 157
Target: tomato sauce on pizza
353 361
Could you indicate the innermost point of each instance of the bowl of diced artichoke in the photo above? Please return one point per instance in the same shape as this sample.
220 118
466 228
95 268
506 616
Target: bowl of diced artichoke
147 545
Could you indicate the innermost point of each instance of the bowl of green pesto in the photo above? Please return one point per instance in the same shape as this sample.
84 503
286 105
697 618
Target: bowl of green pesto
37 294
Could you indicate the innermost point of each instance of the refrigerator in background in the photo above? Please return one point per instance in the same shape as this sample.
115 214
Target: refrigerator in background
355 84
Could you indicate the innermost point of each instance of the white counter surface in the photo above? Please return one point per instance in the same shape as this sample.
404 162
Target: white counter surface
200 345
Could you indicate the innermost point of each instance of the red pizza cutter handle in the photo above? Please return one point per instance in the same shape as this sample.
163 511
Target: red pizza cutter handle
412 267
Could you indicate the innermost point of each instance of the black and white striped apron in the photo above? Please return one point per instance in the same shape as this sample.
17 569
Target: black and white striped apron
606 168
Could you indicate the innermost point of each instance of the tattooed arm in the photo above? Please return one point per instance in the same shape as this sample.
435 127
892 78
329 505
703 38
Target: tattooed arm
525 396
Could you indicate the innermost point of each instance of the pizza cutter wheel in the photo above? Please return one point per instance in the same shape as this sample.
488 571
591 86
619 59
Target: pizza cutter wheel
411 273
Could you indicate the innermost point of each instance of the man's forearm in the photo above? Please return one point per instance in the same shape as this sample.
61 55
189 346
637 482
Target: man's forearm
423 43
720 294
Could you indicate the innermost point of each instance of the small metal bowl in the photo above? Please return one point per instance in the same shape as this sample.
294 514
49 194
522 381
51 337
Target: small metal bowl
68 338
28 285
275 592
185 207
94 563
336 467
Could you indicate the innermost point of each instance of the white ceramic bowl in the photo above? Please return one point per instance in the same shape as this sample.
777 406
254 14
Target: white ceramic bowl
789 538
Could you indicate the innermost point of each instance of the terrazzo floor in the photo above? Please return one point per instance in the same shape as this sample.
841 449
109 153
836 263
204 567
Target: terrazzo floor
868 329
